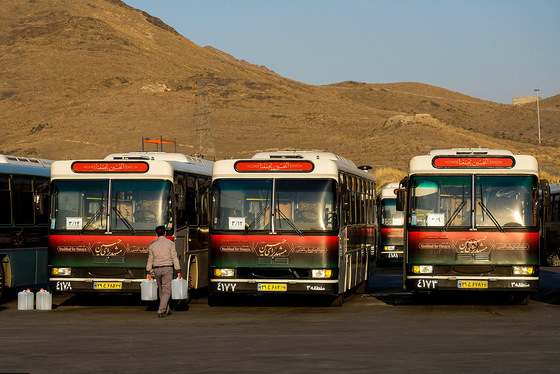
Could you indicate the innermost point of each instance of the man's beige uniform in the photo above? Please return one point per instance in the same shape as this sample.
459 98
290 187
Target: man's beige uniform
162 257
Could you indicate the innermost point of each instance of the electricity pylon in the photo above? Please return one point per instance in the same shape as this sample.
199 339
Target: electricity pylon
204 141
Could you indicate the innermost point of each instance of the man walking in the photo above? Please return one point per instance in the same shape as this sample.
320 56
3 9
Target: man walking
162 258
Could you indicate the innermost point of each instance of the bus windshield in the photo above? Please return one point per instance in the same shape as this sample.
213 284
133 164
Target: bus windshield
390 216
446 201
510 201
300 205
83 205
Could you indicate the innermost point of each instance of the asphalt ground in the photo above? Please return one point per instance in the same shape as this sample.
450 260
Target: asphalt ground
383 331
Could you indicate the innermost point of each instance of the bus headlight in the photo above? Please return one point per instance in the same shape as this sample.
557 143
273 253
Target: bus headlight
389 247
224 272
61 271
523 270
321 273
422 269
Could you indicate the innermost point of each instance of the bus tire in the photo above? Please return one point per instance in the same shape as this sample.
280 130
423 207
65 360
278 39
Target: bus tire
215 300
421 297
519 298
553 260
338 300
362 288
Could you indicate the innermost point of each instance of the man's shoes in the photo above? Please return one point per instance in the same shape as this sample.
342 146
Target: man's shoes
161 315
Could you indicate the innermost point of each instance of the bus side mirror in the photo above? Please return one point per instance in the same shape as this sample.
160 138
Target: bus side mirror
180 197
401 194
400 200
39 202
40 198
544 187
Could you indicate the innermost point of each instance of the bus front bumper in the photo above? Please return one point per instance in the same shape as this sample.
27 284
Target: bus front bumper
273 286
100 285
474 283
391 255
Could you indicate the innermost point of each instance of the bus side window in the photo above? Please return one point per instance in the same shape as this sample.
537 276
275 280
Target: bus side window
23 200
355 201
371 203
345 200
352 193
5 203
191 201
360 200
203 200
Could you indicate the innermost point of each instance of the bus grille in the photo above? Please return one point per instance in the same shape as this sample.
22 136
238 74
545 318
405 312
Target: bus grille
473 256
475 269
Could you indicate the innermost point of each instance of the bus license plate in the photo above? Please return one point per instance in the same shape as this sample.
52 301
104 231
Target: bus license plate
392 255
272 287
107 285
472 284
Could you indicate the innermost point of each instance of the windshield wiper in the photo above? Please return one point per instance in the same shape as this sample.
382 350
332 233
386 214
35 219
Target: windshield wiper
91 220
485 209
125 221
289 221
457 210
257 218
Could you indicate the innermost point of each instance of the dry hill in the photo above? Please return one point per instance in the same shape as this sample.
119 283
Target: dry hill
82 78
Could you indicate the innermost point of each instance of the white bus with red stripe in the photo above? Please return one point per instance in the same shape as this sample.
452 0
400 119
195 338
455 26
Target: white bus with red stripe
390 221
471 222
291 222
104 214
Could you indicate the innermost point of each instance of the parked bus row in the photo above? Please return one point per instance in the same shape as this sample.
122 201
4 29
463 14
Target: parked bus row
288 222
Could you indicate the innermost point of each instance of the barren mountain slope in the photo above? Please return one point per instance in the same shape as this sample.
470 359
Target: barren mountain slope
83 78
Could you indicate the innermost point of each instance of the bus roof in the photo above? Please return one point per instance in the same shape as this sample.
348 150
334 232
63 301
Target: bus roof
164 156
24 165
178 161
388 191
134 165
321 165
473 161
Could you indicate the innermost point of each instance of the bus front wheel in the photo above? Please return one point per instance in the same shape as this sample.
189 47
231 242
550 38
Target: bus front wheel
338 300
519 298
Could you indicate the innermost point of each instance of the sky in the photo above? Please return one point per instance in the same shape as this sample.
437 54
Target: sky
489 49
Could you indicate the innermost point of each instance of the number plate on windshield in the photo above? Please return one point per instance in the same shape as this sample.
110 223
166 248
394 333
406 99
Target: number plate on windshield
272 287
472 284
107 285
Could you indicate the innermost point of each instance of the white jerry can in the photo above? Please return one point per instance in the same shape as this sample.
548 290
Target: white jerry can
25 300
179 289
44 300
148 289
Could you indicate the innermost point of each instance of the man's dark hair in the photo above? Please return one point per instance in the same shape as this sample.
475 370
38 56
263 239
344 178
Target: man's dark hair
160 230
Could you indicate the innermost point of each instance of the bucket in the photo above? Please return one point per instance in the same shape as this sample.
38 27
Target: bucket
179 289
25 300
44 300
148 289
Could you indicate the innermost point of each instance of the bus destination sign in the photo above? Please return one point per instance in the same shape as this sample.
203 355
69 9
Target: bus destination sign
110 167
477 162
275 166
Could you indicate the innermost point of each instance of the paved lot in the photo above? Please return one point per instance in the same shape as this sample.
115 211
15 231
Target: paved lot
384 331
